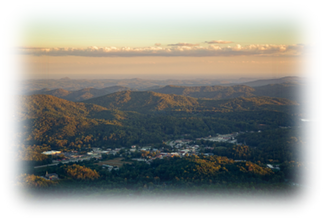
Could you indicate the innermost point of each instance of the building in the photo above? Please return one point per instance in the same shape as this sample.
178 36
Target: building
233 141
51 176
107 166
139 159
113 152
110 167
105 152
273 167
52 152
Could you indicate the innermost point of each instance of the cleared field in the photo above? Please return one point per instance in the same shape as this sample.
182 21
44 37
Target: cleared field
113 162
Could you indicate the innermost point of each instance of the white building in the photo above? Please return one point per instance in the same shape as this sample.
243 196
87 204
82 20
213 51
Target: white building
232 141
139 159
273 167
104 152
109 167
52 152
270 166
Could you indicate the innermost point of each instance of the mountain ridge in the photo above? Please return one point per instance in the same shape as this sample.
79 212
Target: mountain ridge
137 83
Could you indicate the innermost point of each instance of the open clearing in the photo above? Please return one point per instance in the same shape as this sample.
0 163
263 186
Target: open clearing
113 162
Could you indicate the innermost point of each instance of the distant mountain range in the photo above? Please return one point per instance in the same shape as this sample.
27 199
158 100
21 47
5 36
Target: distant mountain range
290 90
288 79
284 90
142 84
213 92
132 117
79 95
146 101
143 101
128 104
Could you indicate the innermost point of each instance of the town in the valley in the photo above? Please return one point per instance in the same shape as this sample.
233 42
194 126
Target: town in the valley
179 148
146 154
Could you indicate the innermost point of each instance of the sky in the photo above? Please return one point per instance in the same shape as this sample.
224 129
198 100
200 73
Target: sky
160 46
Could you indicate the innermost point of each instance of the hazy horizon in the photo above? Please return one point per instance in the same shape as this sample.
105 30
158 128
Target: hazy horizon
169 49
155 77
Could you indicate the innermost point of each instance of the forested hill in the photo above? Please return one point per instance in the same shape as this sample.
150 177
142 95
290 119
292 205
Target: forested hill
290 91
263 82
60 93
213 92
247 104
62 124
152 101
109 106
80 95
36 105
143 101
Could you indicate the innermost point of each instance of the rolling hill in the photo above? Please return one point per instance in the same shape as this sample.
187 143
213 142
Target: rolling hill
292 91
213 92
263 82
151 101
142 101
80 95
37 105
299 91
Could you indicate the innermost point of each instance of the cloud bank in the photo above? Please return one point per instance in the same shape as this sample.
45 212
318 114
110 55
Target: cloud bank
189 50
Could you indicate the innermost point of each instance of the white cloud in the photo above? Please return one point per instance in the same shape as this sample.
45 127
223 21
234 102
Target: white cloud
183 49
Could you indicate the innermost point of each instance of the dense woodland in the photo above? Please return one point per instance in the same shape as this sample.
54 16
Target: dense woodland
126 118
188 175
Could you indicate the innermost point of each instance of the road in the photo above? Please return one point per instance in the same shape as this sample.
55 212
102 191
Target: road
67 161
